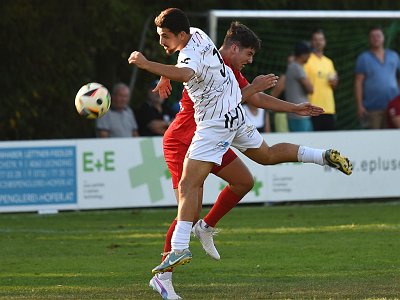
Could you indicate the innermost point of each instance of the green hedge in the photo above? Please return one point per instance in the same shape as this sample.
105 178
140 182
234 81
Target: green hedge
50 48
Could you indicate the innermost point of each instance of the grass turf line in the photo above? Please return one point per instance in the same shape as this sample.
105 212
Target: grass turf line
332 251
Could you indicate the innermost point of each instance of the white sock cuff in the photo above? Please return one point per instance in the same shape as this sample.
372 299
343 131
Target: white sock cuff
319 156
181 236
185 225
310 155
300 153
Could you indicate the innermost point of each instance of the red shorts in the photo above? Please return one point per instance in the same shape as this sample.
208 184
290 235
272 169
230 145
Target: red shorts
174 154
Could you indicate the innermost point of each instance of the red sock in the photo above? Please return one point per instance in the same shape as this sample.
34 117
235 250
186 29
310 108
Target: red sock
225 202
168 237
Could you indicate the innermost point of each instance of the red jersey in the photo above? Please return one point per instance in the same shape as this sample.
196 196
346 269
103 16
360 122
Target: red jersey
184 126
393 110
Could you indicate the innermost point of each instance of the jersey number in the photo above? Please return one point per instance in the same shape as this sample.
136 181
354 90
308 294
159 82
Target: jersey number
222 71
229 118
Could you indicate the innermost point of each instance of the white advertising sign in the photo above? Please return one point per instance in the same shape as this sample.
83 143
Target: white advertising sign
119 173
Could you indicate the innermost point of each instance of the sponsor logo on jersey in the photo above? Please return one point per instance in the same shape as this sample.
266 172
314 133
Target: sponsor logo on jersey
185 61
222 146
250 130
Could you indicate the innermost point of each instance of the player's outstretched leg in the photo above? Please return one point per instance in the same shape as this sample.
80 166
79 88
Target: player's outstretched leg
173 259
205 234
334 159
163 286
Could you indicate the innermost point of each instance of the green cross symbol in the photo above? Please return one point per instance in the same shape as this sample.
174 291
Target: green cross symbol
257 186
150 171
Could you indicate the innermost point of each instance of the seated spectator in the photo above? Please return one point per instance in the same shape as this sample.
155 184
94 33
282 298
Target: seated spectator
393 113
154 116
120 120
258 116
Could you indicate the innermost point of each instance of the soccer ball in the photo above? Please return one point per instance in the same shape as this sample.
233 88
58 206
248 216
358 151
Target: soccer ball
92 100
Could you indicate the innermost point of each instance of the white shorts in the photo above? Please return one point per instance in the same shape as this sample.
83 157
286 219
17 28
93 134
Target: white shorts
214 137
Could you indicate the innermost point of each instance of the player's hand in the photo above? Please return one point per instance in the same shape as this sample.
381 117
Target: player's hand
138 59
307 109
163 87
265 82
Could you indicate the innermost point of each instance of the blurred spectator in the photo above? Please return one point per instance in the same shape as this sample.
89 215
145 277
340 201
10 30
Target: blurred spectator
120 120
154 115
258 116
393 113
280 118
297 86
375 81
322 74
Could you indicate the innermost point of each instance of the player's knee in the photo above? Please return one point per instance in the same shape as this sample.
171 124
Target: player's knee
263 160
244 186
186 186
263 155
248 183
183 186
267 159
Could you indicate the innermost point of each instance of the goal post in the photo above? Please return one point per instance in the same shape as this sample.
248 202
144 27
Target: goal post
346 34
216 14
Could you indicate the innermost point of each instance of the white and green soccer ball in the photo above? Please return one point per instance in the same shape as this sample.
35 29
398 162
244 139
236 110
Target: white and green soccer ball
93 100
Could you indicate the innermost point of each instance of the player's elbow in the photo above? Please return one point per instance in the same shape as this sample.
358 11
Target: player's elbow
185 74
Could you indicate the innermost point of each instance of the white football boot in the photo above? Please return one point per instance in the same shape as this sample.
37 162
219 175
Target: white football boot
205 234
164 288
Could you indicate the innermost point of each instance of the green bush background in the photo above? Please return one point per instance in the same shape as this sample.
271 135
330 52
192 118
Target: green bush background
50 48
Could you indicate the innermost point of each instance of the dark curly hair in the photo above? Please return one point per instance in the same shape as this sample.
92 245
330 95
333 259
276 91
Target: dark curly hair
243 36
173 19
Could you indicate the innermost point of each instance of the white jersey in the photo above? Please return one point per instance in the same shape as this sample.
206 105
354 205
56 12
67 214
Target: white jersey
213 87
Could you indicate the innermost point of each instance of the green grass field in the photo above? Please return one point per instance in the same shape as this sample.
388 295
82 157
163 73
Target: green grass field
330 251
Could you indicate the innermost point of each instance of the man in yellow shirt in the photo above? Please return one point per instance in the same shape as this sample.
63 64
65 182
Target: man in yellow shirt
322 74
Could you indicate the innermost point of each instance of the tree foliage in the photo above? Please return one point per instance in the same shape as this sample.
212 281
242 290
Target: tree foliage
51 48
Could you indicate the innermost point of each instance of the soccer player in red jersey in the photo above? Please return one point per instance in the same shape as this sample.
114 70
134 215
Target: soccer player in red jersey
238 49
220 122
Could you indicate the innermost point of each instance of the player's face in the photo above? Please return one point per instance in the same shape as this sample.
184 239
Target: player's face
169 40
241 57
318 41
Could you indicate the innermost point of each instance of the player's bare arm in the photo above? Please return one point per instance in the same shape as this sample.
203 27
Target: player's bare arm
307 109
266 101
259 84
279 87
168 71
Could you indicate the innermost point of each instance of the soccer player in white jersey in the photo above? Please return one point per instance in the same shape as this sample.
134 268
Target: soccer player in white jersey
220 120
